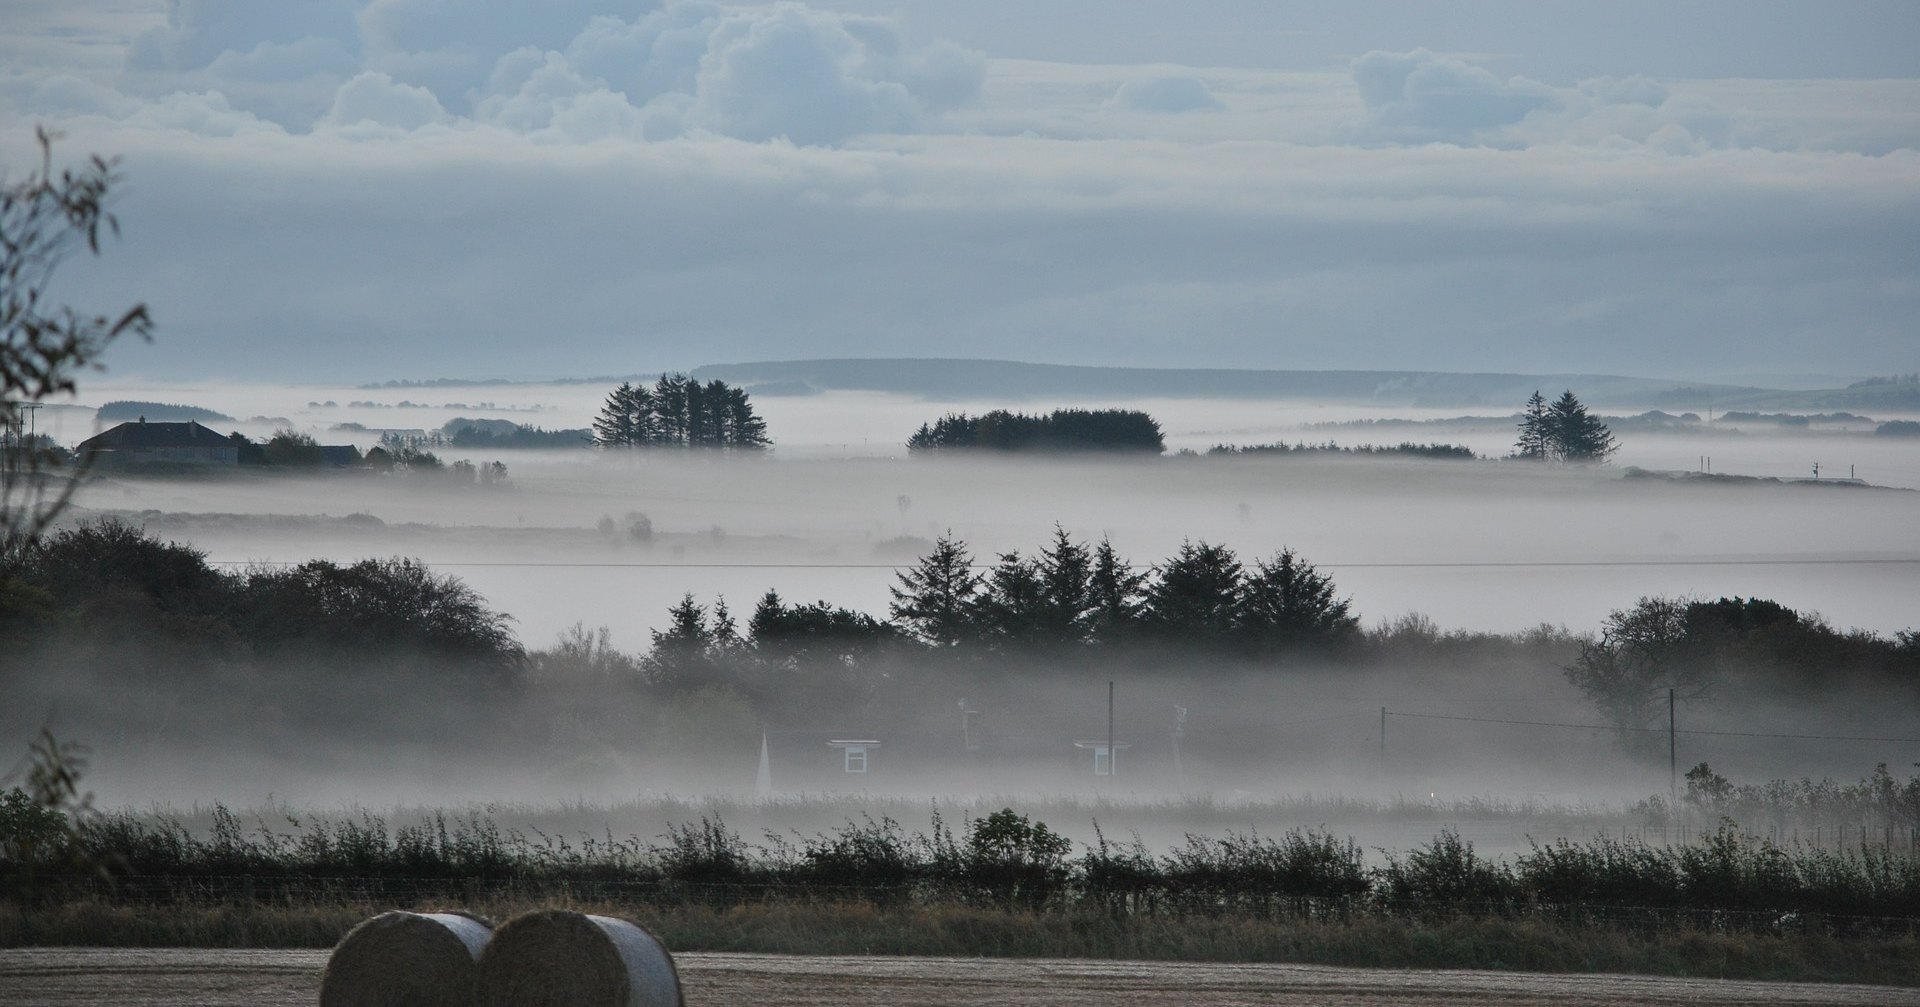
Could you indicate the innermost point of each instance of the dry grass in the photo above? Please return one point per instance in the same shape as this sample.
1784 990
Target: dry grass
834 928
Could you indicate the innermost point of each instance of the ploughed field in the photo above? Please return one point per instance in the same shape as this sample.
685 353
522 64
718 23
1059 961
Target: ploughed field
46 977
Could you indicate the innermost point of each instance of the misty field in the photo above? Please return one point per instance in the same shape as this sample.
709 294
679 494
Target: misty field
1369 709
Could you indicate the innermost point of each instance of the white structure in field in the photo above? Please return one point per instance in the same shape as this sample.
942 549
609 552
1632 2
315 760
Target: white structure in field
855 752
1102 755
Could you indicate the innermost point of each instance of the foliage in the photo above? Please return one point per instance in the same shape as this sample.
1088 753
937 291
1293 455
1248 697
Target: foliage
1287 604
680 412
1730 880
1562 431
1195 595
521 436
936 599
43 218
1691 645
390 606
1061 430
1642 652
1449 452
293 449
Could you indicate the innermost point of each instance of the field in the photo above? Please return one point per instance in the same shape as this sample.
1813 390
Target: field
70 977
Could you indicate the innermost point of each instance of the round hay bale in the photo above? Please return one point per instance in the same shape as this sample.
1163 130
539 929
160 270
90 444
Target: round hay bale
559 958
401 959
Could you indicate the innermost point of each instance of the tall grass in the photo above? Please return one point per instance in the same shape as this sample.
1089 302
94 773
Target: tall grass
1728 880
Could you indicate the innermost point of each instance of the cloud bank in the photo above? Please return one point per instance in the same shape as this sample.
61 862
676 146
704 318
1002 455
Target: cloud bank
380 188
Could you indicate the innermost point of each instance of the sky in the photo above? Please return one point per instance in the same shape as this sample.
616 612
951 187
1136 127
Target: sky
362 190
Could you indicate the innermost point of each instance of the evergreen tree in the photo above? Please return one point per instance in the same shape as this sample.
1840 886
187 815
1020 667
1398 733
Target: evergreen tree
699 419
617 426
935 600
1288 604
1534 430
744 429
1116 595
670 408
1196 596
1011 609
683 656
680 412
1575 434
1067 608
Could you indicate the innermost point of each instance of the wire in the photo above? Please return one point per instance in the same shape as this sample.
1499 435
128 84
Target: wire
1543 564
1657 730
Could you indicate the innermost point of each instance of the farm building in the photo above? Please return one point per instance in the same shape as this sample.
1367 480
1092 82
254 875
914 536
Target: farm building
138 443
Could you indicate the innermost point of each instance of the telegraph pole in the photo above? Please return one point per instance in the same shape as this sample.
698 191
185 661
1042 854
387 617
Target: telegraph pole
1113 761
1673 756
1383 739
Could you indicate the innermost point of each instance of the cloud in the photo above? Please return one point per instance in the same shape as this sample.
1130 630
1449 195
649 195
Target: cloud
794 75
197 32
1420 96
373 97
1166 94
784 72
451 47
559 68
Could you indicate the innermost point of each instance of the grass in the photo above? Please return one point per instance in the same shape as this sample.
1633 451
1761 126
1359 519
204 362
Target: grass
1729 904
1364 940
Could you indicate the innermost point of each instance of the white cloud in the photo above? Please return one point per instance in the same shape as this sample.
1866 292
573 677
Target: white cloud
373 97
197 32
389 189
1166 94
784 72
451 46
1420 96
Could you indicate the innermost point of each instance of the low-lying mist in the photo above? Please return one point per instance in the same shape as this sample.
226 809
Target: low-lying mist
575 541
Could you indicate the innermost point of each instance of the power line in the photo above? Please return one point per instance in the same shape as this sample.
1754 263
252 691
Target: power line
1656 730
1470 564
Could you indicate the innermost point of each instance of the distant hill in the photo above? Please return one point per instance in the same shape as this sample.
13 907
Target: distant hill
1000 379
122 410
1006 380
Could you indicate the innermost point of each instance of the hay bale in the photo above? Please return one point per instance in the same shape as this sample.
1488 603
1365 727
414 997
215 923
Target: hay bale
558 958
402 959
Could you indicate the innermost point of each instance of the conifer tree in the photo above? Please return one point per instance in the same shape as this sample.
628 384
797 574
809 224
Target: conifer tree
1288 604
1534 432
1011 609
1575 434
1067 609
1116 595
1197 593
935 600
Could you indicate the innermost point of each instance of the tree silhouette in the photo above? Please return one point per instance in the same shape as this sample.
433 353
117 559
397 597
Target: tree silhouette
1576 435
935 600
1116 595
1287 604
1535 437
680 412
42 347
1197 593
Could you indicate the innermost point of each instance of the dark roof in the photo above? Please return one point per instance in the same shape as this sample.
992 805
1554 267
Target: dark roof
340 454
141 434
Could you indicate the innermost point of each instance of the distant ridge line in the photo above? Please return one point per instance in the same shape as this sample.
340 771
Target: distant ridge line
962 379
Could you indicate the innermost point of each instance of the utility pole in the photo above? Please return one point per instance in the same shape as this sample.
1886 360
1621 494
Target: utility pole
1383 739
1179 734
1673 756
1113 763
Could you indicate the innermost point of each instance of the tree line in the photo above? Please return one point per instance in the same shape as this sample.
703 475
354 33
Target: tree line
1060 430
680 412
106 604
